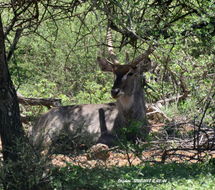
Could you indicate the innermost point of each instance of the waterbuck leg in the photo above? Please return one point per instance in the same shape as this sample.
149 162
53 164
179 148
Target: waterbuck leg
106 137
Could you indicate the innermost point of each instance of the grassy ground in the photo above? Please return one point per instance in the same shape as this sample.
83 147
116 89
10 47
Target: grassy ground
159 176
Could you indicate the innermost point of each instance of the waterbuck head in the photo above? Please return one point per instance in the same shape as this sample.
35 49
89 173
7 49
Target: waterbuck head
127 77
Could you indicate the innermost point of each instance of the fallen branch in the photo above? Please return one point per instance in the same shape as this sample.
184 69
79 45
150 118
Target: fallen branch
48 102
172 99
154 113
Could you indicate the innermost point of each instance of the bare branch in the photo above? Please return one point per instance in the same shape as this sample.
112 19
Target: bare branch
13 45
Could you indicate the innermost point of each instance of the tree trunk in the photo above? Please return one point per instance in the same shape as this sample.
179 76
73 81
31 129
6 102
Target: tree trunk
11 130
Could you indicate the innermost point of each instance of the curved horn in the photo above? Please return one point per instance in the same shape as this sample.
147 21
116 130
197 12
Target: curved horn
143 56
110 47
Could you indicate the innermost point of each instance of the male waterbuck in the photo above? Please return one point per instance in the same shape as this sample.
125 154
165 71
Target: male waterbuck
91 123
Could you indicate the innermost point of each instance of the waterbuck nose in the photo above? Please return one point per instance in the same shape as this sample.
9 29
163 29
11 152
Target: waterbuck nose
114 92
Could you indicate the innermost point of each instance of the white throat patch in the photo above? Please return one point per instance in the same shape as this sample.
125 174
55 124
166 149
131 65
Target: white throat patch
126 102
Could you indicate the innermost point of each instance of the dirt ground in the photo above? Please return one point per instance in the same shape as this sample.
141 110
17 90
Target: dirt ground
114 158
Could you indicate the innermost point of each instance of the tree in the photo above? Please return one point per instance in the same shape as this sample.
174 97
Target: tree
25 16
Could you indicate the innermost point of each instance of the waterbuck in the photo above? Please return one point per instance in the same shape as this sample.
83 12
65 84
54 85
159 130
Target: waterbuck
104 123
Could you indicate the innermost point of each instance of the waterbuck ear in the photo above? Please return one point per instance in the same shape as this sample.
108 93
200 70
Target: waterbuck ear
104 64
144 65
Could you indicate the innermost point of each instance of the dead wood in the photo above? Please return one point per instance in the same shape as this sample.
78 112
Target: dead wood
48 102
